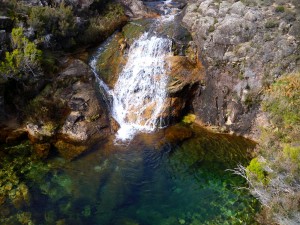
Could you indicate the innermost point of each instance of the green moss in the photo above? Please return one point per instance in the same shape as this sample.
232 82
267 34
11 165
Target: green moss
280 9
211 29
134 30
271 24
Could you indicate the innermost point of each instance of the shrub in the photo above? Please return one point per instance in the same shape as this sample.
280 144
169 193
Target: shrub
283 101
59 22
24 60
292 153
256 168
271 24
101 26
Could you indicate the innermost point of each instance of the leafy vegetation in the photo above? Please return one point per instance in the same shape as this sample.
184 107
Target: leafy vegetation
103 25
279 150
24 60
57 22
256 168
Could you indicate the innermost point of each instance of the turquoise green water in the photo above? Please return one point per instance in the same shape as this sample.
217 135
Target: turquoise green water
156 179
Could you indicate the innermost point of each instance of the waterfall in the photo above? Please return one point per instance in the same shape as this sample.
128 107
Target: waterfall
138 98
140 91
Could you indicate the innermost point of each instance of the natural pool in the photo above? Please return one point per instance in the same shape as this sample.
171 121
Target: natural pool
174 176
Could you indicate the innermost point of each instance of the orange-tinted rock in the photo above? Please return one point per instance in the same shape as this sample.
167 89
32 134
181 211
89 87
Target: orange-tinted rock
42 150
183 73
69 150
178 133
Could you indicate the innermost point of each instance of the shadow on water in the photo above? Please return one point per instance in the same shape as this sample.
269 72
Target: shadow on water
174 176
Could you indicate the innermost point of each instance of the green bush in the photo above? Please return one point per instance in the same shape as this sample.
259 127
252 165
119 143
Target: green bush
271 24
292 153
60 21
24 60
256 168
103 25
283 101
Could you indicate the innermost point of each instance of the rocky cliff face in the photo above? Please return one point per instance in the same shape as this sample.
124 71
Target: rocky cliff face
245 46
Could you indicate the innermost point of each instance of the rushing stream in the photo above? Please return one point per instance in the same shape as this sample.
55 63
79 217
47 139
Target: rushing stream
176 175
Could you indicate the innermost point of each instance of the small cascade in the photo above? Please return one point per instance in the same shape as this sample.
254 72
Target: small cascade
138 98
140 91
104 89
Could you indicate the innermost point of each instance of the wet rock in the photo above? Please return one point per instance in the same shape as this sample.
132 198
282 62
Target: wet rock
69 150
16 136
184 77
182 72
42 150
113 59
111 62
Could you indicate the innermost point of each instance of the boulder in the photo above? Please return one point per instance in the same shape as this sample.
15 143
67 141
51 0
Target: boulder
80 116
136 8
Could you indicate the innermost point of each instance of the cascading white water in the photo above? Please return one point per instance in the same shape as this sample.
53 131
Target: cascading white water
140 91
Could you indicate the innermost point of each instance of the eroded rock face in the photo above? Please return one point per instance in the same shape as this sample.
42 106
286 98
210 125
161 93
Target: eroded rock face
81 119
184 79
244 48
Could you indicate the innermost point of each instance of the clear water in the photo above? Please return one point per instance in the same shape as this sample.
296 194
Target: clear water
151 181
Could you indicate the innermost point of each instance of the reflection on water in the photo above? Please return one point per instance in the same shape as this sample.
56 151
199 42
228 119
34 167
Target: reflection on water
175 176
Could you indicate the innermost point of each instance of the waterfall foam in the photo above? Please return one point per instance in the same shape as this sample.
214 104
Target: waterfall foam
140 91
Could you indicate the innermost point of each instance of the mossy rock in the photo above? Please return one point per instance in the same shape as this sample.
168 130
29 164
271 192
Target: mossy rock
111 61
134 30
69 150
